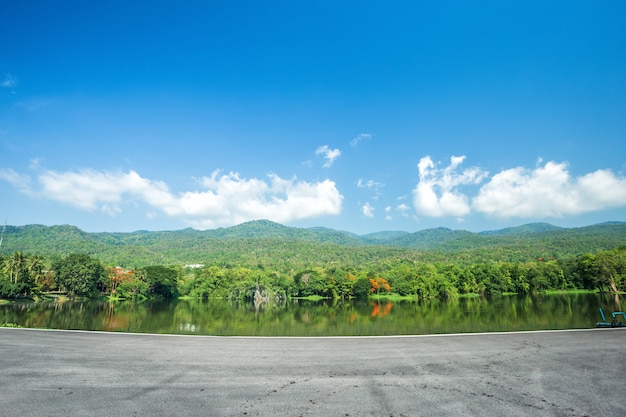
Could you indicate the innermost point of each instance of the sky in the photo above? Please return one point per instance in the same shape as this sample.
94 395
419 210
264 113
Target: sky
361 116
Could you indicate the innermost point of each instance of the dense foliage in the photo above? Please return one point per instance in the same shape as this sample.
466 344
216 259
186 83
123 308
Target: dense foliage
80 274
261 259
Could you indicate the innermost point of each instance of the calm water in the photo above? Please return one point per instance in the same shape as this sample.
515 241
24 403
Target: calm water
323 318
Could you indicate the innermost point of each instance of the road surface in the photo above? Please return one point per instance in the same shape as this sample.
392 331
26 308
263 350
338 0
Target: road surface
72 373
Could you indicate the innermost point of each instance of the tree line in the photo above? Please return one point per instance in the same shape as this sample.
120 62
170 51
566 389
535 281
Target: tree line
76 274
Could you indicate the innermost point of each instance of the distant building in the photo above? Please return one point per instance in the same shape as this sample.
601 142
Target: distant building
194 266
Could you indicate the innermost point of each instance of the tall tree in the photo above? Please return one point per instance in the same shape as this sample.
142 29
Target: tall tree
79 274
35 267
162 280
13 266
610 267
16 278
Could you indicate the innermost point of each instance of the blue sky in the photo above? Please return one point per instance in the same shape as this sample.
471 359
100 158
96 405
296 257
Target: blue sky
356 115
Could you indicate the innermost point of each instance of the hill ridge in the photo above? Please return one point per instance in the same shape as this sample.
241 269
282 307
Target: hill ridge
265 240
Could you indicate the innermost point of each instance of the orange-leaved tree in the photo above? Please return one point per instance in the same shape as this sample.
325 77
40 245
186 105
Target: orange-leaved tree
379 284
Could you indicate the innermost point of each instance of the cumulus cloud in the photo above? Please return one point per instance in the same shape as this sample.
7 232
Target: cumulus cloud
360 138
549 191
94 190
329 154
223 200
437 192
230 199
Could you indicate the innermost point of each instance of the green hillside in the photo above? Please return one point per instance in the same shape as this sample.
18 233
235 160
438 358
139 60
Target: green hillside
268 244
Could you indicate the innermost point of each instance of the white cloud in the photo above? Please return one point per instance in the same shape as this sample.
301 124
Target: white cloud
9 81
94 190
329 154
368 210
360 137
403 208
437 194
388 215
549 191
19 181
369 184
224 200
229 199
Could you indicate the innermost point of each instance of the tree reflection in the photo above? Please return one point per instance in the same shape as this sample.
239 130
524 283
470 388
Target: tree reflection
319 318
380 310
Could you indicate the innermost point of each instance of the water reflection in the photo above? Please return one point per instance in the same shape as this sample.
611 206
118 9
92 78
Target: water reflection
381 309
319 318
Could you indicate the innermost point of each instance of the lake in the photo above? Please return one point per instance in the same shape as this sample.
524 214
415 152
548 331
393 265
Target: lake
320 318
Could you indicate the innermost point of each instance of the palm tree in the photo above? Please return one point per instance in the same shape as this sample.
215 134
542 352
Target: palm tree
35 267
13 265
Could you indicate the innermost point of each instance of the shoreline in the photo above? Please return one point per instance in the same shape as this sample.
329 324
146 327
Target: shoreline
401 336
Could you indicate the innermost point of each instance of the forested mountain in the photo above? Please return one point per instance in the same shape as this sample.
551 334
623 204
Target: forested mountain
267 244
523 230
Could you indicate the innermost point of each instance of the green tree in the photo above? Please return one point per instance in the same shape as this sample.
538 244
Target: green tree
79 274
344 282
162 280
404 279
362 287
519 279
209 282
14 266
606 268
243 283
555 276
18 274
312 282
35 267
468 284
133 288
581 271
610 268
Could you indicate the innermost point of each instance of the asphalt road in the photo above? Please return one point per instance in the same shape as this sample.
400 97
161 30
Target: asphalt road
66 373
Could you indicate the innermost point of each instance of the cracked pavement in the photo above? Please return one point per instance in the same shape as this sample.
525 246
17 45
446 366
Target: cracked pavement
75 373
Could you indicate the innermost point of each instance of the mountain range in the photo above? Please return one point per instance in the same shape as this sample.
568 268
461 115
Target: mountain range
262 240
